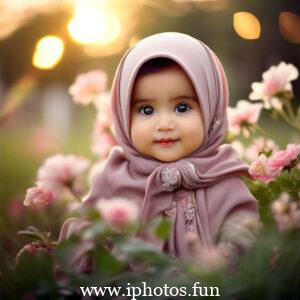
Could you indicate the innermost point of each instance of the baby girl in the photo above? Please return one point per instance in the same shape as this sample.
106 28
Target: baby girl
169 100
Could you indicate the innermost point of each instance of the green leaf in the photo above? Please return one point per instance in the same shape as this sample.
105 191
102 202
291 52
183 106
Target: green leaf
30 234
64 253
163 229
106 262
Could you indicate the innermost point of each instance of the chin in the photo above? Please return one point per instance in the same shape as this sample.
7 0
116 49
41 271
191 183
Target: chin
167 159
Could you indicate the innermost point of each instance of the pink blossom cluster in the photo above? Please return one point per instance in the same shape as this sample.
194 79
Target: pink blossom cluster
56 174
103 135
275 80
244 114
258 145
38 196
88 86
286 213
118 212
266 169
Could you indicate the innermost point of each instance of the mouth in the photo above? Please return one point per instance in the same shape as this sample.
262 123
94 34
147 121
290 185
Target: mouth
166 142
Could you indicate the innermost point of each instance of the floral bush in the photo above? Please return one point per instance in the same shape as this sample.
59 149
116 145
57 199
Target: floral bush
43 268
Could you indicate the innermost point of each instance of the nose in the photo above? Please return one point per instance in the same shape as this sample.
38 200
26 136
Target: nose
165 123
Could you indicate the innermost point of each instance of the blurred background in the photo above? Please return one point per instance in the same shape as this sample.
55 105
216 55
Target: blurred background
45 44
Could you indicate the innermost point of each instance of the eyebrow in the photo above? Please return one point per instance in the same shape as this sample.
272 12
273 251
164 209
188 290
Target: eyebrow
186 97
136 100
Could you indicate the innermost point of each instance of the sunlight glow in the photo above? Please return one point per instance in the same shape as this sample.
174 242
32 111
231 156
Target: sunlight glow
94 24
48 52
246 25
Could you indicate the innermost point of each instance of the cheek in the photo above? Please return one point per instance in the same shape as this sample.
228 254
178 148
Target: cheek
140 133
193 129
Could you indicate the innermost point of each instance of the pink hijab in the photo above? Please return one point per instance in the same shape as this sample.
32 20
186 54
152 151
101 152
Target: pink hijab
211 173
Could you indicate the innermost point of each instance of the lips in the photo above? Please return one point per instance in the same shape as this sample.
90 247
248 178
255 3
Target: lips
166 141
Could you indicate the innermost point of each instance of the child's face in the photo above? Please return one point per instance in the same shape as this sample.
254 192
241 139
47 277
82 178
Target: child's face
166 121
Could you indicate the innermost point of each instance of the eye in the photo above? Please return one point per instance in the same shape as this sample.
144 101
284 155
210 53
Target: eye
146 110
182 108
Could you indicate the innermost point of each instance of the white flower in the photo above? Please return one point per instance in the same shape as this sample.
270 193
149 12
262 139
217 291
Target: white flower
275 80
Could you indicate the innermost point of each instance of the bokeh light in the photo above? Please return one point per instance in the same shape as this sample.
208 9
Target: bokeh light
246 25
133 41
48 52
14 14
94 23
289 26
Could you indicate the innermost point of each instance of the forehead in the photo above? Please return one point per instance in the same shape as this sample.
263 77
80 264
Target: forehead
172 80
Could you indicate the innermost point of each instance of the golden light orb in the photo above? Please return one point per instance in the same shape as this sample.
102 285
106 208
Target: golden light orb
48 52
94 24
246 25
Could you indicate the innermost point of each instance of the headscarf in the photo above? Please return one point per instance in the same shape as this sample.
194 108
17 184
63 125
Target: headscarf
211 173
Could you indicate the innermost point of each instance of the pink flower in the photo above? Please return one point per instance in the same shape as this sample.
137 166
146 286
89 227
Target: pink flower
261 170
293 150
61 171
102 138
102 144
212 258
244 113
275 80
279 160
103 105
286 213
283 158
267 169
34 248
118 212
281 205
208 258
38 195
259 145
88 86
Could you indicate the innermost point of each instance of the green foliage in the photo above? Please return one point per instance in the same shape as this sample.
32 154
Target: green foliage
32 275
289 181
163 228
